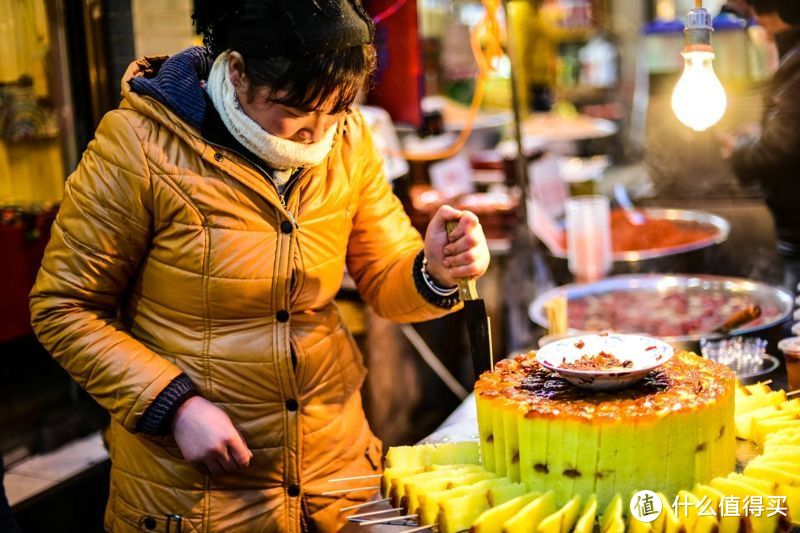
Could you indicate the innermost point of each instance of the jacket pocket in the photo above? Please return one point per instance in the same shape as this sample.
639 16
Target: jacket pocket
374 454
167 444
298 356
151 521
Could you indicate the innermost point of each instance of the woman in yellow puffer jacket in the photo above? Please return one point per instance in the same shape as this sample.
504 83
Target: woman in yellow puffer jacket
189 282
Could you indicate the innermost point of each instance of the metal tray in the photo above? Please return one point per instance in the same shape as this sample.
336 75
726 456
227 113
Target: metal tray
688 215
760 293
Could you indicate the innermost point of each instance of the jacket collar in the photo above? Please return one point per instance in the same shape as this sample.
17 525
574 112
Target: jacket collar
214 131
189 116
176 99
178 82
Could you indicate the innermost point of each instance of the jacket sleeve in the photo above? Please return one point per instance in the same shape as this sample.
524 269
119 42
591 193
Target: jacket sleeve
98 239
383 244
773 155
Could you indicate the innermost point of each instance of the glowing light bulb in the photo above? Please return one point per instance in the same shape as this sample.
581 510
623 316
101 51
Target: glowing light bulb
699 99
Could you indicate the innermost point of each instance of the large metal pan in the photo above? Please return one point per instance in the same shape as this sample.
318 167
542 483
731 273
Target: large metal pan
721 225
762 294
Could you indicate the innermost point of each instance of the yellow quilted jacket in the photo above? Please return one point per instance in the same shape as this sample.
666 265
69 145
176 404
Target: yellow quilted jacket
172 255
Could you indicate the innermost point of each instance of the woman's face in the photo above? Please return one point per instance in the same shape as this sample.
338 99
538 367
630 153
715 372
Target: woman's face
299 125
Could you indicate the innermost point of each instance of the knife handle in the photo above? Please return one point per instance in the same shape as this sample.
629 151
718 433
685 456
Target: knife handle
466 287
743 316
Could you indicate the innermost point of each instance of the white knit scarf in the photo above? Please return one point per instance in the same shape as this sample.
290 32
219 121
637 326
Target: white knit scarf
280 154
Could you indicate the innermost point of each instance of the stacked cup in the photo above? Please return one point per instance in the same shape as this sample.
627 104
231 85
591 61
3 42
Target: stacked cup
796 326
588 237
791 350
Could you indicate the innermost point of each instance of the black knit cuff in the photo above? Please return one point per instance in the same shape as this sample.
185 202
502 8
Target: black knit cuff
444 302
157 418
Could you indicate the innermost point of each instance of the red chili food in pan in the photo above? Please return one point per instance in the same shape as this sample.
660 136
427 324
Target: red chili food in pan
654 233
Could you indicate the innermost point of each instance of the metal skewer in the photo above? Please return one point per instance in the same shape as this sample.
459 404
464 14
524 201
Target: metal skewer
345 491
373 513
354 478
388 519
362 505
421 528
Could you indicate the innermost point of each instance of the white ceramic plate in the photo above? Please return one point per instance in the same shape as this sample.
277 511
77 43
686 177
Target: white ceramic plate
644 353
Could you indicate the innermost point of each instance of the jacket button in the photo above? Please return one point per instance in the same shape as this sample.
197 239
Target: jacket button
149 522
286 227
282 315
294 490
291 404
218 156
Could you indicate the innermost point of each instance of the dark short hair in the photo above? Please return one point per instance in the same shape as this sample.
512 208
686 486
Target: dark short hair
763 7
314 52
332 78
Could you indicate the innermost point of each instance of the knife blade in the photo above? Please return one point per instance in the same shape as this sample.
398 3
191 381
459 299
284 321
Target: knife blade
478 322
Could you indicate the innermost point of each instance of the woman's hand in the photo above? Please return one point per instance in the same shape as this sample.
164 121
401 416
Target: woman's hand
461 255
206 435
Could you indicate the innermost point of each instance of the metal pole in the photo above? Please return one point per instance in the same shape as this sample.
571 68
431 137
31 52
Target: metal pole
520 271
520 163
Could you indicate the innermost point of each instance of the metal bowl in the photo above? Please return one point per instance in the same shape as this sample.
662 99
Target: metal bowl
657 284
723 229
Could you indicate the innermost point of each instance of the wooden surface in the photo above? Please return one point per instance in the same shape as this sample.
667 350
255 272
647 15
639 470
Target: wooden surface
42 472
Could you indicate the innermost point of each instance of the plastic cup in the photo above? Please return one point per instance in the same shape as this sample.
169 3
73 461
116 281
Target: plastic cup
588 237
581 174
791 354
